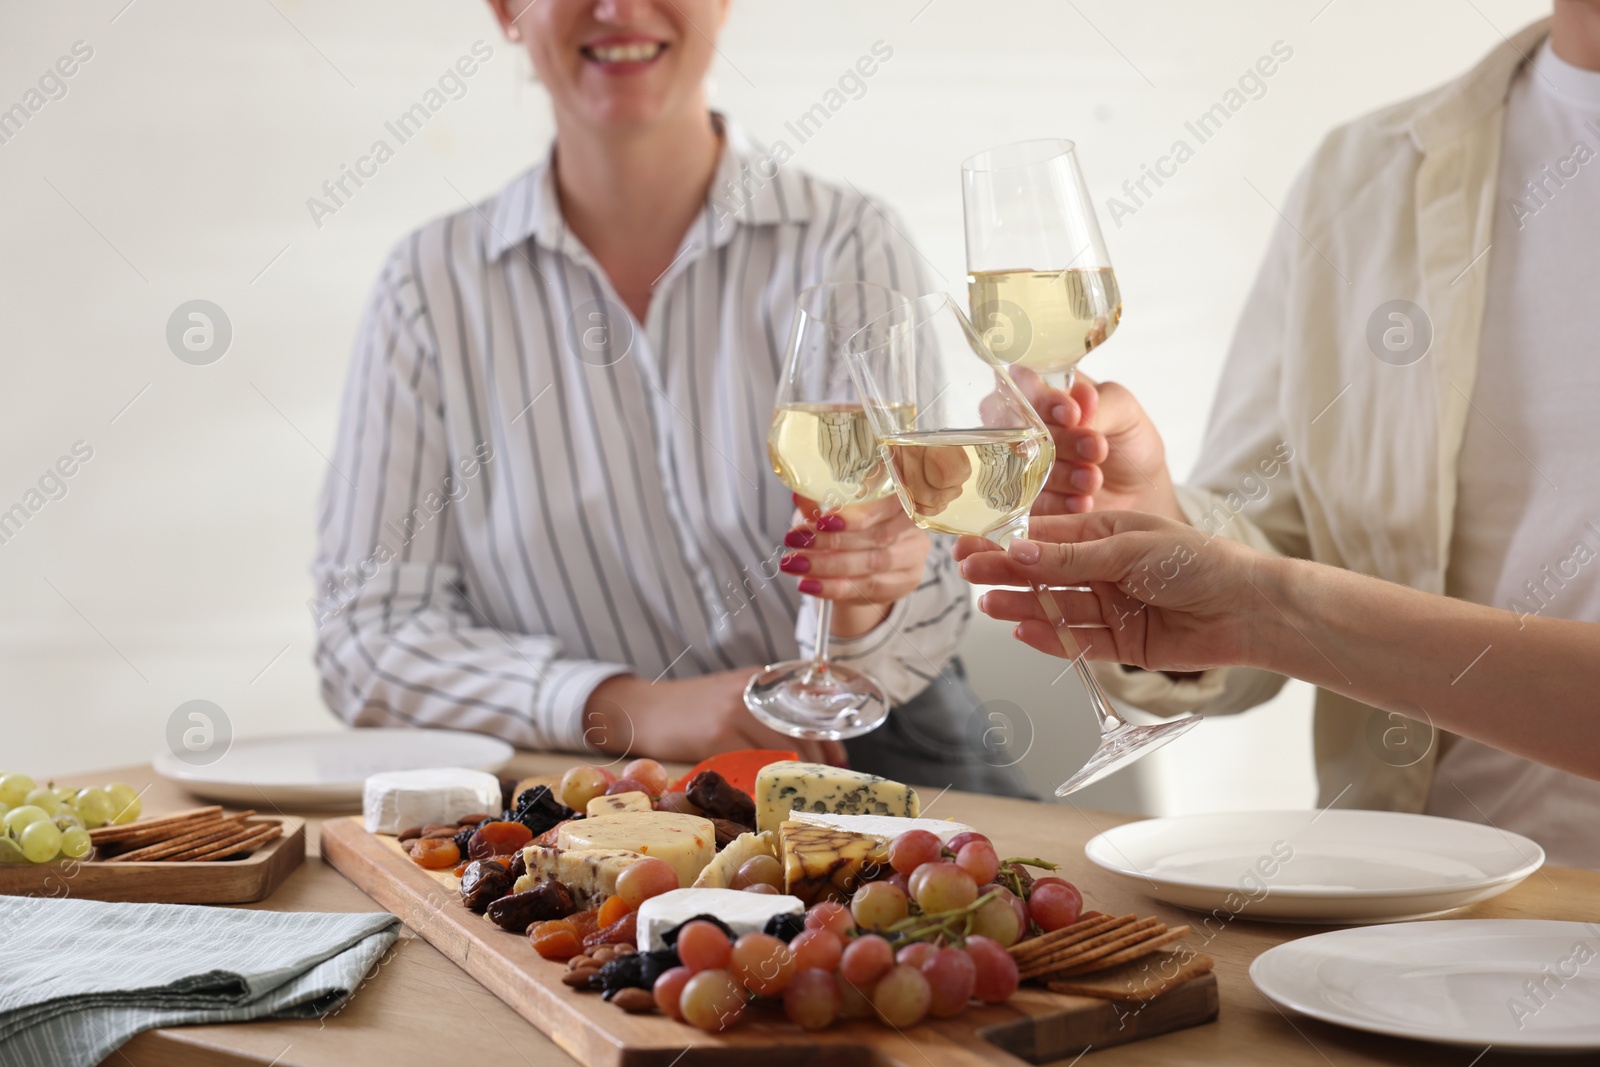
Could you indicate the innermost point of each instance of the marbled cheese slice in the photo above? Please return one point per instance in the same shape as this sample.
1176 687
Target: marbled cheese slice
720 871
816 787
397 800
686 842
826 863
617 803
745 913
886 827
591 874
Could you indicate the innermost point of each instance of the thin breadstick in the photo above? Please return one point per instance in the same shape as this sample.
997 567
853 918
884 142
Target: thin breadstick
1047 944
1096 950
1144 948
194 849
245 843
1110 941
201 834
137 829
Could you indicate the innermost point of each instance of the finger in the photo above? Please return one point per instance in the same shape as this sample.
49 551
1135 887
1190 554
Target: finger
1053 405
1014 605
1086 394
1080 443
1082 479
1041 636
1061 504
849 517
970 545
883 535
902 555
882 589
1109 559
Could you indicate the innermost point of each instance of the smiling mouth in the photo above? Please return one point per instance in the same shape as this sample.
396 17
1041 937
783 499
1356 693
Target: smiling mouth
633 52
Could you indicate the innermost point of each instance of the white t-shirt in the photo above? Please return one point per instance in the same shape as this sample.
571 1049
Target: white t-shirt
1527 522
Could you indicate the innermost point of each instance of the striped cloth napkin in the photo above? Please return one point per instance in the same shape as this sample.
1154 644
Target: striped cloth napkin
80 977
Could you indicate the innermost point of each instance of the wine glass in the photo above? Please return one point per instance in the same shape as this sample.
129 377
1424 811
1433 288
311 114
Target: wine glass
822 447
968 455
1039 279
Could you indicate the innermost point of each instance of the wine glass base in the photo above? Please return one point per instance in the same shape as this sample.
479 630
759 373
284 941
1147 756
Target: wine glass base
830 702
1121 747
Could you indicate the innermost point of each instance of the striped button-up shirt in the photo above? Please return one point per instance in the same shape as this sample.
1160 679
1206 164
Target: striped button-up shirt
532 492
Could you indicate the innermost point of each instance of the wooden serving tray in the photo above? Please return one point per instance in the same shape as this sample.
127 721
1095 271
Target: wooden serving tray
228 881
1035 1025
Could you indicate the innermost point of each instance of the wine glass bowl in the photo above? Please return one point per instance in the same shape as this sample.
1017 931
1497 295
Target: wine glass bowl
822 447
1040 282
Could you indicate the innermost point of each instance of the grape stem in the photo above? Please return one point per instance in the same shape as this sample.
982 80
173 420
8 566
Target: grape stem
933 925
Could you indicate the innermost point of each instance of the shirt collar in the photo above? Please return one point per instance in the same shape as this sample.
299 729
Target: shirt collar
1465 101
752 186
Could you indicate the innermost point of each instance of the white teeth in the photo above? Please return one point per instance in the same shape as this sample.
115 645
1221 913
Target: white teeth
625 53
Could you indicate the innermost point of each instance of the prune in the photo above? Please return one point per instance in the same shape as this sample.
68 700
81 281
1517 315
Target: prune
463 839
785 927
544 902
637 970
483 883
539 810
519 865
712 794
727 830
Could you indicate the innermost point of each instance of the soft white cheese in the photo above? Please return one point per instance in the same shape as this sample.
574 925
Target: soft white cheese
887 827
396 800
745 913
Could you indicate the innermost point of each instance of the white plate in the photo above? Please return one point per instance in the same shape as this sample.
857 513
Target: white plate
1462 982
326 770
1330 866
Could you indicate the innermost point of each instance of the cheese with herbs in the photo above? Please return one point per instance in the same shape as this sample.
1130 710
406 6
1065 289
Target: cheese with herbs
591 874
617 803
791 785
745 913
686 842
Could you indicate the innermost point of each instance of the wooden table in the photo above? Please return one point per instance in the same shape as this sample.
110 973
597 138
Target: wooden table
419 1009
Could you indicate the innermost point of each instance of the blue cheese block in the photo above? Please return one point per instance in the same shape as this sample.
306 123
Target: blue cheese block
816 787
745 913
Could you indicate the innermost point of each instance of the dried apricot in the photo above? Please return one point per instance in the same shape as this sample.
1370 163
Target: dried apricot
498 839
624 931
435 853
585 922
555 939
613 909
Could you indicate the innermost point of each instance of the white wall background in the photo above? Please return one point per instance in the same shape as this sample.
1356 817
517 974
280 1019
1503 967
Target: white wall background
178 164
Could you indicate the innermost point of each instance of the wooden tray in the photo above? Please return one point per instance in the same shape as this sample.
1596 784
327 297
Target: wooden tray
209 882
1034 1025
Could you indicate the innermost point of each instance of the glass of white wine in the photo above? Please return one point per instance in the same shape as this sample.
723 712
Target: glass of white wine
1039 280
822 447
968 455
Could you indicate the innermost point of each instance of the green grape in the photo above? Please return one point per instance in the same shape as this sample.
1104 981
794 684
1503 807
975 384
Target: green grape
17 818
3 809
124 802
41 842
46 799
68 797
95 807
67 821
10 851
14 789
75 843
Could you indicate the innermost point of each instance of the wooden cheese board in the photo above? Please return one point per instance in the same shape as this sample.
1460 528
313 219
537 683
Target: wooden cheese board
1033 1026
226 881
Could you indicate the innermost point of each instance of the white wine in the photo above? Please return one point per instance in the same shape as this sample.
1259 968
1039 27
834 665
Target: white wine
1044 320
969 481
828 453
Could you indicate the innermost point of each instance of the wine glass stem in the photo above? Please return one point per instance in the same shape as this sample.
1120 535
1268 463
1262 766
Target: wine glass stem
819 658
1109 720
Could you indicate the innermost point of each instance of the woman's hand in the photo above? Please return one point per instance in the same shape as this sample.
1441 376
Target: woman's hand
863 557
1163 595
686 720
1109 455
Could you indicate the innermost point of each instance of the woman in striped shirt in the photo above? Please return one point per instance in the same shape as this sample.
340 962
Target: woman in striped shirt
549 517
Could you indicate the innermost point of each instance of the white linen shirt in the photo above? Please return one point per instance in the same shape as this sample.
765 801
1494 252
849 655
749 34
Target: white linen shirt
532 492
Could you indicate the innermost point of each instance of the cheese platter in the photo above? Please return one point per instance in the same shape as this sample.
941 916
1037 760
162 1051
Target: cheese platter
636 920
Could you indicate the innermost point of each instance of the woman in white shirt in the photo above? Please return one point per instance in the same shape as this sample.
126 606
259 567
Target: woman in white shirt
550 517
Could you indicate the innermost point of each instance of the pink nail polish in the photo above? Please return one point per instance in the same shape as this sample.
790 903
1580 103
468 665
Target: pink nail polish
830 523
810 586
799 539
794 564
